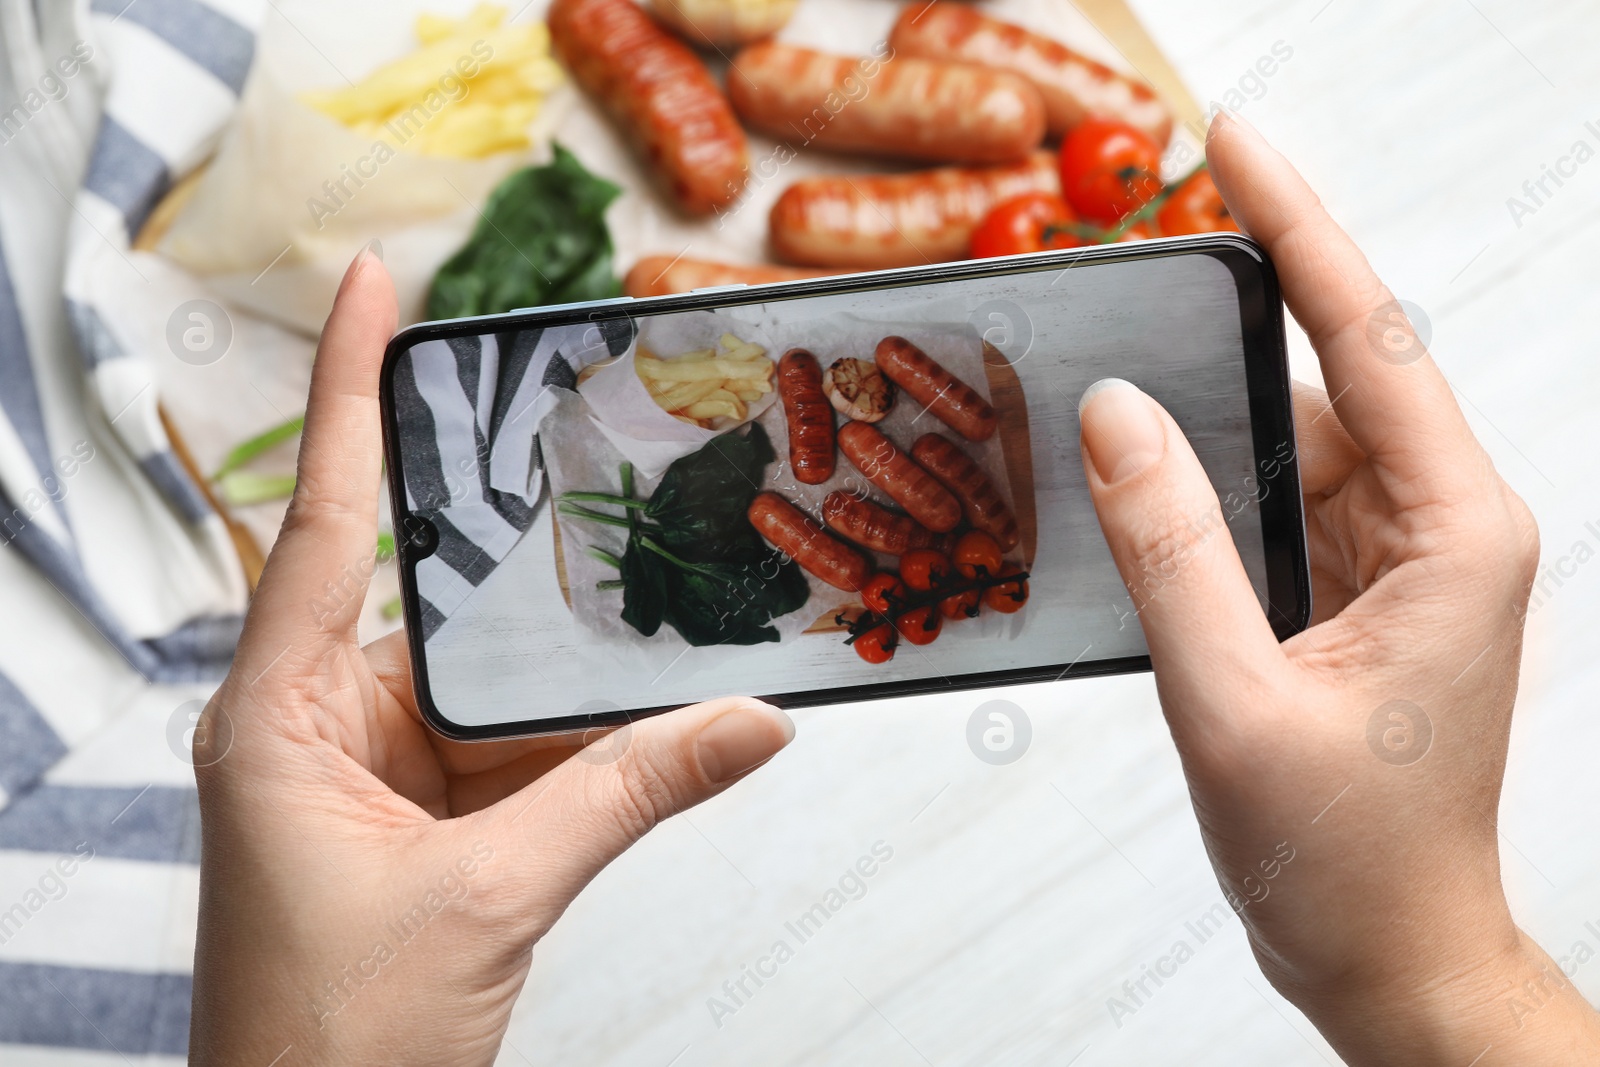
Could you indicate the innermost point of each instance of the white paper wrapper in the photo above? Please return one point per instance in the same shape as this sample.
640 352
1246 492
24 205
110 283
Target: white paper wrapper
291 194
630 418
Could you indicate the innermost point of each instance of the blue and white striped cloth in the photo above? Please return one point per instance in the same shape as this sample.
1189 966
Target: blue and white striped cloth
121 594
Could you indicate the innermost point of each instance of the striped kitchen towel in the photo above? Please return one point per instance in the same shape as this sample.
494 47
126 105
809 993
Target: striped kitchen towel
122 594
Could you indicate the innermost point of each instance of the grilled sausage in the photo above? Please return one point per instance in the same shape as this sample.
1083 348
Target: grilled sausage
914 108
720 23
897 220
980 500
660 92
897 474
795 534
660 275
1073 86
879 529
809 414
952 401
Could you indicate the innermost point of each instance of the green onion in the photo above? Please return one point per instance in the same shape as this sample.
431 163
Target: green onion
242 488
262 442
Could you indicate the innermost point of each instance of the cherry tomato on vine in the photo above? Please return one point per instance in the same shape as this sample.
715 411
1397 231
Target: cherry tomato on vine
1196 207
1025 223
1007 597
880 589
977 555
920 626
1109 170
1139 231
923 568
961 605
877 644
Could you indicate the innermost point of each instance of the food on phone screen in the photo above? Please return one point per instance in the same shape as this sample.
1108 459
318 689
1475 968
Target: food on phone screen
721 23
906 107
1195 206
795 534
951 400
1109 170
503 73
858 390
897 220
541 239
874 527
809 416
898 475
923 568
662 275
980 500
693 560
660 92
962 605
884 593
1032 222
976 555
708 384
875 645
1074 87
1008 596
920 626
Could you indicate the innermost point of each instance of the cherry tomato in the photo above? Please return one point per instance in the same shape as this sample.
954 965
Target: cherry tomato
1109 170
1196 207
920 626
877 644
1139 231
923 568
880 590
1007 597
1024 224
961 605
977 555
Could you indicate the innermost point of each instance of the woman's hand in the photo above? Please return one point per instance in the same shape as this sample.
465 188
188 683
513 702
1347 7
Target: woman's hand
370 892
1347 781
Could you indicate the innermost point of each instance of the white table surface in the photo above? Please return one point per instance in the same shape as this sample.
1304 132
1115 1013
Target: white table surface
1020 898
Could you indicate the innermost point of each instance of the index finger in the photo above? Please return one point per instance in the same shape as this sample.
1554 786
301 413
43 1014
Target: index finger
1397 408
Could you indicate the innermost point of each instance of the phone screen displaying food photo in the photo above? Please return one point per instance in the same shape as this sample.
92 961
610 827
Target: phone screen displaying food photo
857 492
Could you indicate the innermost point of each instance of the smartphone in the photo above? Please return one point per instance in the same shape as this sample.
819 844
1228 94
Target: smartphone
608 510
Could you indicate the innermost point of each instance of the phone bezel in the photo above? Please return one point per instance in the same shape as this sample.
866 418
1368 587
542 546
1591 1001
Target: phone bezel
1271 418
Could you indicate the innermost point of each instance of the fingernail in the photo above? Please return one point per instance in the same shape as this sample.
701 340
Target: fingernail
734 742
374 249
1122 430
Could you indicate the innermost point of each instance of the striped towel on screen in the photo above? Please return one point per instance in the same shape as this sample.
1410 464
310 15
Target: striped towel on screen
121 593
470 408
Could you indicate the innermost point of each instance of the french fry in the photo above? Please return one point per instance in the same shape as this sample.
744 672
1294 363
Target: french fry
680 396
710 409
701 370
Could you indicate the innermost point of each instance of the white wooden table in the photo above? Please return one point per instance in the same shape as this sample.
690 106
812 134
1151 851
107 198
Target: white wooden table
1019 899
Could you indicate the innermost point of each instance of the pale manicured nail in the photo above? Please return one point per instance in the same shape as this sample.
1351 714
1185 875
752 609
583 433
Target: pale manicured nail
1122 430
740 739
375 249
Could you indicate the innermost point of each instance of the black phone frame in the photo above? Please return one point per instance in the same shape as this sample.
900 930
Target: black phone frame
1272 429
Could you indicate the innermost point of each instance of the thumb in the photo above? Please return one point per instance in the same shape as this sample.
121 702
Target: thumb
1167 533
586 812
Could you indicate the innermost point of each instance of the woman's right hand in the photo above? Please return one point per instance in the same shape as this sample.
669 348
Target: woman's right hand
1347 780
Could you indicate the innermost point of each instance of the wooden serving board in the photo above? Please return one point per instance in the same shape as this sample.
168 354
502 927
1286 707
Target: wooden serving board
1016 448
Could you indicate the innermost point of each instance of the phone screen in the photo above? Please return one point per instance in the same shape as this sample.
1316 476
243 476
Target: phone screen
600 513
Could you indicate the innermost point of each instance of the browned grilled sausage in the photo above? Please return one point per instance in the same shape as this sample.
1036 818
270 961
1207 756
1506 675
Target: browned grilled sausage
795 534
660 275
660 92
809 414
952 401
868 222
908 107
1074 87
879 529
897 474
980 500
723 23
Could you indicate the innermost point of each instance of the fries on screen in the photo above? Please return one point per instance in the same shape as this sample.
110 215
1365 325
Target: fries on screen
709 383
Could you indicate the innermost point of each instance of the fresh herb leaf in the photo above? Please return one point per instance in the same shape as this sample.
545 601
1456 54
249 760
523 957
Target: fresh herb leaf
246 451
542 239
693 560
